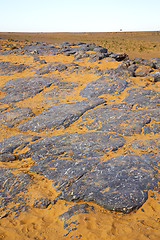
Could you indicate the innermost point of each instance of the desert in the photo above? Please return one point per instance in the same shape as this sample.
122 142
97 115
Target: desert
79 142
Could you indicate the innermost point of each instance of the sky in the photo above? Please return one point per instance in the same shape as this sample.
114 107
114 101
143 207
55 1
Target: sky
79 15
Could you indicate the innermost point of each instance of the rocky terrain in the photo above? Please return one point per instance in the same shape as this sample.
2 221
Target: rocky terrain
79 139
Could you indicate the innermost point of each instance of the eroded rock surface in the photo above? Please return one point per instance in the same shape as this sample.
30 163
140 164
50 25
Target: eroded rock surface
104 86
58 116
66 158
122 121
15 116
94 133
13 187
7 68
119 184
19 89
10 146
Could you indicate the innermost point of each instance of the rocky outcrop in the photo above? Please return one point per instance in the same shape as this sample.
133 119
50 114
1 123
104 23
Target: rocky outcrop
94 133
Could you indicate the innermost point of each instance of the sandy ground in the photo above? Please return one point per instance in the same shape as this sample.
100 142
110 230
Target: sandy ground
40 224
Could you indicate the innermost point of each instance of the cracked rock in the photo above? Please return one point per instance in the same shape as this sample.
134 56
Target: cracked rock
59 116
119 184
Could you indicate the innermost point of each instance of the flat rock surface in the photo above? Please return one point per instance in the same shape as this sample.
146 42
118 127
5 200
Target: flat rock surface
104 86
79 142
62 115
22 88
119 184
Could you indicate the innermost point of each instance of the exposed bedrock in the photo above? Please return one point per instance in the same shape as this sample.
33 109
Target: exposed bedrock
119 184
104 85
59 116
21 88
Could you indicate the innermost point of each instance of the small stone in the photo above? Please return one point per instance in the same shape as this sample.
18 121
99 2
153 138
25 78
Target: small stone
43 61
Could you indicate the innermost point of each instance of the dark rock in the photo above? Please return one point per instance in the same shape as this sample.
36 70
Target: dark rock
142 71
70 225
61 90
15 116
58 67
80 54
125 64
119 184
117 73
7 68
100 49
42 61
156 62
97 56
7 157
119 56
132 70
12 144
42 70
50 68
150 144
94 144
143 98
12 190
66 158
103 85
21 88
42 203
59 116
155 76
118 120
63 172
141 61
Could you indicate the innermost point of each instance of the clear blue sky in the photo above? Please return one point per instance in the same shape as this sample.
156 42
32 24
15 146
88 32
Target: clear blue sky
79 15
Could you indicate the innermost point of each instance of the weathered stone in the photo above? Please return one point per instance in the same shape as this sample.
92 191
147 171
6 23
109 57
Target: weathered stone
97 56
119 56
100 49
7 68
153 128
104 85
42 203
42 61
12 190
156 62
15 116
63 172
12 144
61 90
19 89
147 144
117 73
58 67
143 71
70 225
118 184
42 71
80 54
66 158
118 120
59 116
155 77
143 98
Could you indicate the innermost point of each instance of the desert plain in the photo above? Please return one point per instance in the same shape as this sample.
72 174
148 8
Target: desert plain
79 142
